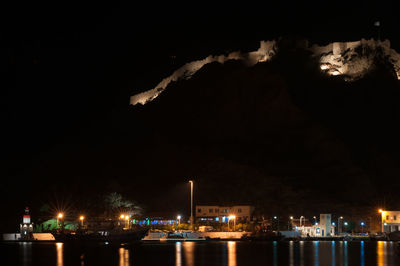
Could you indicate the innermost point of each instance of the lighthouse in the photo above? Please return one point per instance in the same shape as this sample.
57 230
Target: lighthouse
26 227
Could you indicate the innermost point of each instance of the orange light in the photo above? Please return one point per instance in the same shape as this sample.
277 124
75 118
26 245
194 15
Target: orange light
127 217
380 210
60 215
122 216
82 218
232 217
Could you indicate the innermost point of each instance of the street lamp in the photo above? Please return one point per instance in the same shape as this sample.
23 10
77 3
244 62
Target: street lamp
346 224
338 224
382 212
81 218
362 227
289 222
59 216
179 220
234 221
191 204
277 218
127 221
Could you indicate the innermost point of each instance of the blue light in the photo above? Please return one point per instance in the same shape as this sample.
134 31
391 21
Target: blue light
217 219
333 224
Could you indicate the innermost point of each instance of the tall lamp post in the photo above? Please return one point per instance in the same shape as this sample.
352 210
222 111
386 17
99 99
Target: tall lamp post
179 221
338 224
191 204
382 213
81 218
59 216
276 218
232 217
362 227
290 222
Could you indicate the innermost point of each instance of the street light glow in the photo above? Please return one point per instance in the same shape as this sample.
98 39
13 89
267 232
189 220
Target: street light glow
178 217
82 218
232 217
60 215
345 223
291 217
380 210
122 216
362 223
275 217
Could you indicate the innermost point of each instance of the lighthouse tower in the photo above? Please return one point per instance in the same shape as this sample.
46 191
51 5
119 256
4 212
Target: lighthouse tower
26 228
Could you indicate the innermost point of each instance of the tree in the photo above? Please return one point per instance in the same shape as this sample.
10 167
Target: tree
115 204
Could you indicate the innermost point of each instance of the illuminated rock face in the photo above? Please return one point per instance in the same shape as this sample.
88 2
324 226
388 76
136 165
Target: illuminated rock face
264 53
352 60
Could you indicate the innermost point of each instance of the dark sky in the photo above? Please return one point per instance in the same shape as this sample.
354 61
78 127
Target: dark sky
68 66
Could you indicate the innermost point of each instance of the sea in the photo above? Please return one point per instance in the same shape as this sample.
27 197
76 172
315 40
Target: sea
207 253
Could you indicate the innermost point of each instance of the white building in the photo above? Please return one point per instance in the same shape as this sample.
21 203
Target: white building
243 213
322 229
390 221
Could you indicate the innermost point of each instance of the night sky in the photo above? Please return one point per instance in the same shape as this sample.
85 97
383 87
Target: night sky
68 70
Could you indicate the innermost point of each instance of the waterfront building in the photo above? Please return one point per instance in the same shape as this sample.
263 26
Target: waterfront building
156 218
390 221
26 227
307 229
215 213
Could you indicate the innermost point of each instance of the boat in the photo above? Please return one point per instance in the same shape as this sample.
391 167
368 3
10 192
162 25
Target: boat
102 236
158 235
394 236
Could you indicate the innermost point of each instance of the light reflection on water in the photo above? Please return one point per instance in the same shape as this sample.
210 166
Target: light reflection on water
188 249
380 252
123 257
232 253
302 253
60 257
178 254
316 253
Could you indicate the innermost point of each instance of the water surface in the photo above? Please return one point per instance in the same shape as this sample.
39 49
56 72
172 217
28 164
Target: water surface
226 253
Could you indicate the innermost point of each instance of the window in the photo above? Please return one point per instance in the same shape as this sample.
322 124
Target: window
210 210
387 217
216 210
394 217
239 210
198 210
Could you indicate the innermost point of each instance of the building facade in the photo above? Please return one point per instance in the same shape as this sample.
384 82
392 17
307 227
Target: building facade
322 229
214 213
390 221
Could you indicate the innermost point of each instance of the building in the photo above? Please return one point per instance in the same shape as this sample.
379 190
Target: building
26 228
307 229
390 221
213 213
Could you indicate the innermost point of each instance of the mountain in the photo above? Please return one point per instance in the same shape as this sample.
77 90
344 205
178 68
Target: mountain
288 127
